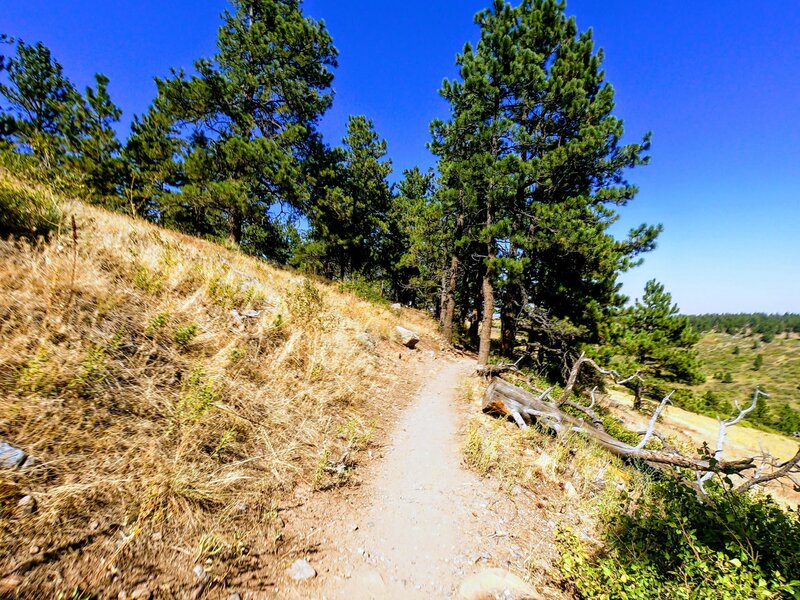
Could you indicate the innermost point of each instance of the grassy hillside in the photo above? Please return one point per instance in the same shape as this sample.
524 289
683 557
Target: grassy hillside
174 394
729 363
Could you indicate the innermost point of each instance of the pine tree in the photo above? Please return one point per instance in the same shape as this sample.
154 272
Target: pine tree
40 104
421 239
150 164
251 115
95 145
350 221
534 150
657 340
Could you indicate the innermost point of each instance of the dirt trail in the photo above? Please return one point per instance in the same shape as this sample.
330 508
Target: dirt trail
424 522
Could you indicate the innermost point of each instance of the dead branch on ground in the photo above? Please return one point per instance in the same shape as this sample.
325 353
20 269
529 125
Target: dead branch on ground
525 408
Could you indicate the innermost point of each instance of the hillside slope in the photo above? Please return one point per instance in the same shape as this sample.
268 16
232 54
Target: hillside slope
172 394
736 355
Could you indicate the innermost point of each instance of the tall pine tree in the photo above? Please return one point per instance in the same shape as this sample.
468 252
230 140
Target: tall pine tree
534 150
250 116
40 104
95 146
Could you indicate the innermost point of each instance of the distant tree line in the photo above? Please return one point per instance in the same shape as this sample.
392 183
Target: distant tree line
513 226
757 324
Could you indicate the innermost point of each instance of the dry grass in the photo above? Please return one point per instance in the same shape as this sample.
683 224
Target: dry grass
692 430
169 427
568 482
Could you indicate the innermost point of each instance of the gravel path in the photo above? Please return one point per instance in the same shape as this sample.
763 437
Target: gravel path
424 525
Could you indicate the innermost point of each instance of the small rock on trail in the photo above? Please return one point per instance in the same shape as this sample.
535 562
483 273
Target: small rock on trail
301 570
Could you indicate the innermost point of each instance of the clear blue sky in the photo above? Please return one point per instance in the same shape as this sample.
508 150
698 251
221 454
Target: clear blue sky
718 83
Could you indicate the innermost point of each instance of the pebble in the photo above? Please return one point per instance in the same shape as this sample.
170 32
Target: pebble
11 456
34 550
234 596
141 592
301 570
570 490
199 571
25 507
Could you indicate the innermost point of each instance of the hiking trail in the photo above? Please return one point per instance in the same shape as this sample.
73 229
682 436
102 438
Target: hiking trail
424 523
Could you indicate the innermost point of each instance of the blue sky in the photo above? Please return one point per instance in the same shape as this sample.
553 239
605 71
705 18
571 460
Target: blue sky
717 83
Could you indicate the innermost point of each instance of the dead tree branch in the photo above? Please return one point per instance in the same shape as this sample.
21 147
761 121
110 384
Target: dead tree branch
504 399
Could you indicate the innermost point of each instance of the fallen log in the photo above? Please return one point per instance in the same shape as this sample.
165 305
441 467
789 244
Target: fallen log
510 401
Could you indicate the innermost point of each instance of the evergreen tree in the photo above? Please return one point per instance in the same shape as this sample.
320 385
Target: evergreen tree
656 340
534 150
250 116
150 163
95 145
350 220
40 104
420 239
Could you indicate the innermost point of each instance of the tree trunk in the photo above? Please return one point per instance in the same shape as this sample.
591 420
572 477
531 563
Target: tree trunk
449 307
443 297
450 301
488 303
235 226
637 399
474 328
505 399
508 319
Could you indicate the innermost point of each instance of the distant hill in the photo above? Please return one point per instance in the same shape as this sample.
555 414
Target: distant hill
735 363
765 325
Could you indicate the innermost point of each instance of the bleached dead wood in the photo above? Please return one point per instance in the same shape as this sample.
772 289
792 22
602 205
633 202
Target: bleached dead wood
505 399
525 408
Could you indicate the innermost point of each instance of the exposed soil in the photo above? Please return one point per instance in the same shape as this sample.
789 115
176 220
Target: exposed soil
421 523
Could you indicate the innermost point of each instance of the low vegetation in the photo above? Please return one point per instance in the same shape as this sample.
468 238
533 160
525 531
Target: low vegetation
734 364
623 531
174 394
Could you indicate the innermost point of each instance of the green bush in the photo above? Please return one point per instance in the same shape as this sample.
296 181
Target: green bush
667 544
26 211
366 290
185 334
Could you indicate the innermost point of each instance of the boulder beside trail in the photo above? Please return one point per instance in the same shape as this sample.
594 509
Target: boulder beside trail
496 583
408 338
11 456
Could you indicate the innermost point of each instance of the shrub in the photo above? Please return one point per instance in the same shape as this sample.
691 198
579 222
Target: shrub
366 290
185 334
668 545
26 211
199 394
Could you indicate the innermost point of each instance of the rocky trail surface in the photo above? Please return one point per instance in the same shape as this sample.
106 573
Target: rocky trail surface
423 526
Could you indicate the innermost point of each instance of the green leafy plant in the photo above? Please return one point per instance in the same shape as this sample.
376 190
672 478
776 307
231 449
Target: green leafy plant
26 210
366 290
185 334
199 394
157 323
146 280
666 544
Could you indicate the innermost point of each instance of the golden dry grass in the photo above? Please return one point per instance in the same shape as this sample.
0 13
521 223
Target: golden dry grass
693 430
170 428
568 481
